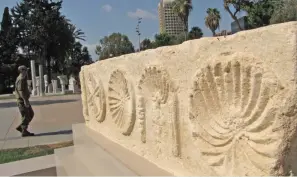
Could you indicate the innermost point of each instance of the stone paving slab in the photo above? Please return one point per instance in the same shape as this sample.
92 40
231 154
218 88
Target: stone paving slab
53 139
20 142
16 143
7 117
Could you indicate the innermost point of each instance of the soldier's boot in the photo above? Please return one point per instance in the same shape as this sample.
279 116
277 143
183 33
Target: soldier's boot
27 133
19 128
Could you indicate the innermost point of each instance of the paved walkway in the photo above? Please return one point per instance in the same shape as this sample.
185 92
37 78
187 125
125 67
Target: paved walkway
52 123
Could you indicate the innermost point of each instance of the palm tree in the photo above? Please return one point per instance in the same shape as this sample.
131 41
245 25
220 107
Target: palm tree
212 20
183 8
195 33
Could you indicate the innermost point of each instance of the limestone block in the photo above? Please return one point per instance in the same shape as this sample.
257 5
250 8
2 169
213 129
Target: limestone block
213 106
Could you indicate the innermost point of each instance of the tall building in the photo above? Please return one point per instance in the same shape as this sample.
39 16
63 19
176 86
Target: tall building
169 22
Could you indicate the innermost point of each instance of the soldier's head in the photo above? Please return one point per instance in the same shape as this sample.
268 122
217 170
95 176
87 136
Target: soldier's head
22 70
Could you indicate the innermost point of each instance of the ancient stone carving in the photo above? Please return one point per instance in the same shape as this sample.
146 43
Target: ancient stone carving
232 119
157 90
121 102
141 116
96 100
83 95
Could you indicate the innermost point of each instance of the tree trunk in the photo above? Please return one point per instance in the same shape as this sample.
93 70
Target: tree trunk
234 18
213 33
41 80
185 29
49 72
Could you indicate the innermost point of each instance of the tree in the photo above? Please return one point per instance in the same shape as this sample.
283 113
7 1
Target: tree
183 8
260 12
79 56
6 23
212 20
146 44
285 11
44 31
114 45
8 49
195 33
163 39
238 5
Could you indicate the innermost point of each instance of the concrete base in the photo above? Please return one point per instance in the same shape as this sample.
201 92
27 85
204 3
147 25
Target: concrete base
95 155
39 166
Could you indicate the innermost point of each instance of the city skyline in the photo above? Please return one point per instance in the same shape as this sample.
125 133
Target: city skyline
101 18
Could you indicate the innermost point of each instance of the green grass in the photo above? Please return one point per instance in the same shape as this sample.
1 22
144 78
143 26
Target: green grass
11 155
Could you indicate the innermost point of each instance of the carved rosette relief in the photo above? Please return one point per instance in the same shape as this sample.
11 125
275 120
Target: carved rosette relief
233 122
157 111
121 102
96 100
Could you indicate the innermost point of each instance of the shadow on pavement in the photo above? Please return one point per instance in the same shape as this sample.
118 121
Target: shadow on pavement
62 132
36 103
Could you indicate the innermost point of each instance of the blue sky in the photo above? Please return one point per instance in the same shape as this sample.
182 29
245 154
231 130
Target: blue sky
98 18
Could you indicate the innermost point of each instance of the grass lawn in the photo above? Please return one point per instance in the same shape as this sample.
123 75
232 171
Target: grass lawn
10 155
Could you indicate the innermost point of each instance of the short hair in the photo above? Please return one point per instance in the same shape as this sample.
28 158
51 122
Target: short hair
22 68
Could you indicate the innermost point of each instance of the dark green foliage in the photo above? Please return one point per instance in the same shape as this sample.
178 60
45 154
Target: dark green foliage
146 44
114 45
260 12
163 39
285 11
195 33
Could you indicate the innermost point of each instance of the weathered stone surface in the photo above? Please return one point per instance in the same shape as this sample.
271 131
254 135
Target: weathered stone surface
205 107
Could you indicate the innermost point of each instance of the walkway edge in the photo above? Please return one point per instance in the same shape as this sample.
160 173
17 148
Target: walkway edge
28 165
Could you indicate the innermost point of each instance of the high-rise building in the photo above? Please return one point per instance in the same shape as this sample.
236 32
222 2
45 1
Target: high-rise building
169 22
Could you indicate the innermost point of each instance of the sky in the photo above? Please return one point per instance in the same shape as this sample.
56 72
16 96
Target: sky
98 18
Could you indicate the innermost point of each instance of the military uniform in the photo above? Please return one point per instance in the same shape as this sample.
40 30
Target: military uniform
22 95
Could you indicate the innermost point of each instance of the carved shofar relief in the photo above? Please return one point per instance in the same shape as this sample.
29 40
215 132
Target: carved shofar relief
232 119
84 95
95 98
121 102
154 86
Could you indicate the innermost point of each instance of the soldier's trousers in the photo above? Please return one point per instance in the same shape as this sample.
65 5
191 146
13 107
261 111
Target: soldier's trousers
27 114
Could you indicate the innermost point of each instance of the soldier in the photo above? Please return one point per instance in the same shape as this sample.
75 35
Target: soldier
22 95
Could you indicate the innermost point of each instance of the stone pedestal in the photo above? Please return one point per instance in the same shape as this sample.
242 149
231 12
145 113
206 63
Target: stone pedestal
41 80
63 81
50 88
95 155
37 85
45 77
73 85
54 85
33 74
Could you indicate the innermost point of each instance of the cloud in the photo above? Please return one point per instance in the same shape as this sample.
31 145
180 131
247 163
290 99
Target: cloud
142 14
107 8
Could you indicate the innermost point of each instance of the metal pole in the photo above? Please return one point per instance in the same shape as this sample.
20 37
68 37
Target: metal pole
138 31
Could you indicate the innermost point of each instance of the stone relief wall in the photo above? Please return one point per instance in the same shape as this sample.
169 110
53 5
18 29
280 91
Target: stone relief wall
205 107
121 102
233 120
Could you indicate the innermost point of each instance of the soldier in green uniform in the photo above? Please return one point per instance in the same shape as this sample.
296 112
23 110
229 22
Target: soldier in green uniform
22 95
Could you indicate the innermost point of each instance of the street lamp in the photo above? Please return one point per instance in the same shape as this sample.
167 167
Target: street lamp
138 31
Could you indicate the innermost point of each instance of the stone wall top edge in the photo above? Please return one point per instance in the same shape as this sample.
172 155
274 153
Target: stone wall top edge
257 46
